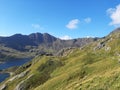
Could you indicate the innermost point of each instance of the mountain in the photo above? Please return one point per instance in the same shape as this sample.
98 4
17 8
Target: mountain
35 44
20 42
95 66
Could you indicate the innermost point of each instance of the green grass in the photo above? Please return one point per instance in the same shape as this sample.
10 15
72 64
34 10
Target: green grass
79 69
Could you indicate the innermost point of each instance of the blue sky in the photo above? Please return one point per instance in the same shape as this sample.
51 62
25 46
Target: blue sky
61 18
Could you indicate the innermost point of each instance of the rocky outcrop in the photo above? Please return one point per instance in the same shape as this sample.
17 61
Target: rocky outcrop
99 46
20 85
19 76
65 51
2 87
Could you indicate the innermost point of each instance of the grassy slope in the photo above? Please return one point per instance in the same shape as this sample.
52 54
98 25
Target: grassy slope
89 68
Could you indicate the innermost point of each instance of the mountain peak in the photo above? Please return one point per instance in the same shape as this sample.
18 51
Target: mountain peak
116 30
49 38
17 35
35 34
46 34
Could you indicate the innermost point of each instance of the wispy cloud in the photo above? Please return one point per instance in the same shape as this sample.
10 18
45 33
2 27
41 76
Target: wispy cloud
37 26
66 37
73 24
87 20
114 14
90 37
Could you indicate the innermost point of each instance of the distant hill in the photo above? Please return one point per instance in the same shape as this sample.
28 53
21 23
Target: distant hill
37 43
20 42
95 66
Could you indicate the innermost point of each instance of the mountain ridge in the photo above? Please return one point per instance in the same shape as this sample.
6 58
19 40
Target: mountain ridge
95 66
38 43
19 45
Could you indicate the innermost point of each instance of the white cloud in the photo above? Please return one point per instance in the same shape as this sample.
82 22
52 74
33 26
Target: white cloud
87 20
73 24
66 37
37 26
114 15
90 37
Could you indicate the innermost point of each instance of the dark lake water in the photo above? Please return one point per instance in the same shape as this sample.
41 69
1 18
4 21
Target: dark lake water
3 76
11 63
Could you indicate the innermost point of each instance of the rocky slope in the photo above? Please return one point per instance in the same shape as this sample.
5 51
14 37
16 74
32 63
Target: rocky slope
93 67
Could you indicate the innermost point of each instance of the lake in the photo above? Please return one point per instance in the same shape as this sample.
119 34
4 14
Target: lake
9 64
3 76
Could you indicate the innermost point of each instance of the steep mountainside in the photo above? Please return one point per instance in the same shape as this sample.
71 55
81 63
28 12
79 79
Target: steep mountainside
36 44
93 67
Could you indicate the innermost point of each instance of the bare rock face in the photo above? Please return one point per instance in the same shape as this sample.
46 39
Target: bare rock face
107 48
99 46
